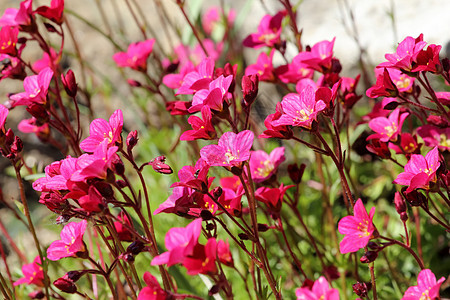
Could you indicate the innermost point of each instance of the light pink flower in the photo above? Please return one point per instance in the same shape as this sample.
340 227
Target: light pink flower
101 130
263 165
36 87
136 55
427 287
358 229
199 78
269 31
320 291
32 273
71 241
213 96
231 150
300 110
420 171
180 241
387 129
213 16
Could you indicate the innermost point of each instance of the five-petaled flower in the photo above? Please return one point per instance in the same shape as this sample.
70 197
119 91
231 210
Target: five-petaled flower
36 88
136 55
427 287
269 31
71 242
388 128
358 229
32 273
420 171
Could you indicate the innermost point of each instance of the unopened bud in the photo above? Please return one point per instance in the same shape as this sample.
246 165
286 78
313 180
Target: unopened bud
296 172
160 166
136 247
17 145
243 236
210 226
39 294
206 215
128 257
65 285
360 289
74 275
50 27
369 257
414 197
250 88
373 246
263 227
39 112
70 83
132 140
214 290
134 83
217 192
399 203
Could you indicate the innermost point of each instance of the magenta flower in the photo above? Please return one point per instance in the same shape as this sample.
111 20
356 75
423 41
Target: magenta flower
300 110
54 12
12 68
70 243
213 96
153 290
231 150
198 79
201 128
320 291
269 31
263 165
406 53
403 82
3 114
272 197
320 56
263 67
358 229
36 87
274 130
17 17
136 55
46 61
427 287
434 136
294 71
420 171
32 273
384 87
101 130
174 81
180 241
33 126
387 129
203 259
8 40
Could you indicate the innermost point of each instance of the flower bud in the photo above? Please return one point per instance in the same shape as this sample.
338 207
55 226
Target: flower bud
243 236
74 275
70 83
160 166
134 83
206 215
373 246
296 172
263 227
399 203
132 140
39 294
250 88
136 247
65 285
369 257
39 112
414 197
217 192
360 289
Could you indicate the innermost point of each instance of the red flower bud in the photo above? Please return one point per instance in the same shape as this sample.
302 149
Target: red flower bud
70 83
360 289
160 166
250 88
65 285
296 172
399 203
132 140
369 257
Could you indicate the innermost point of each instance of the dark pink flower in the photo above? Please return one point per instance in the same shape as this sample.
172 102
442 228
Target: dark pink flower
387 129
32 126
12 67
320 56
272 197
263 67
32 273
232 149
320 291
46 61
274 130
180 241
294 71
3 115
153 290
434 136
427 287
358 229
8 40
203 259
101 130
54 12
428 60
420 171
300 110
406 53
201 128
122 226
407 146
174 81
136 55
71 241
16 17
36 88
269 31
384 87
223 253
213 96
263 165
403 82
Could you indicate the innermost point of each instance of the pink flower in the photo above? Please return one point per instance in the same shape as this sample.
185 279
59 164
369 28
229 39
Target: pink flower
8 40
54 12
427 287
274 130
136 55
269 31
101 130
320 291
406 53
263 67
203 259
300 110
180 241
201 128
428 60
358 229
213 16
12 68
31 125
213 96
16 17
32 273
36 87
384 87
434 136
71 241
153 290
46 61
294 71
403 82
263 166
3 114
420 171
199 78
320 56
272 197
387 129
174 81
231 150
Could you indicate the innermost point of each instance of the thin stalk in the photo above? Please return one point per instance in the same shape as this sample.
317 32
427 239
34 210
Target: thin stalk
194 30
106 276
411 251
